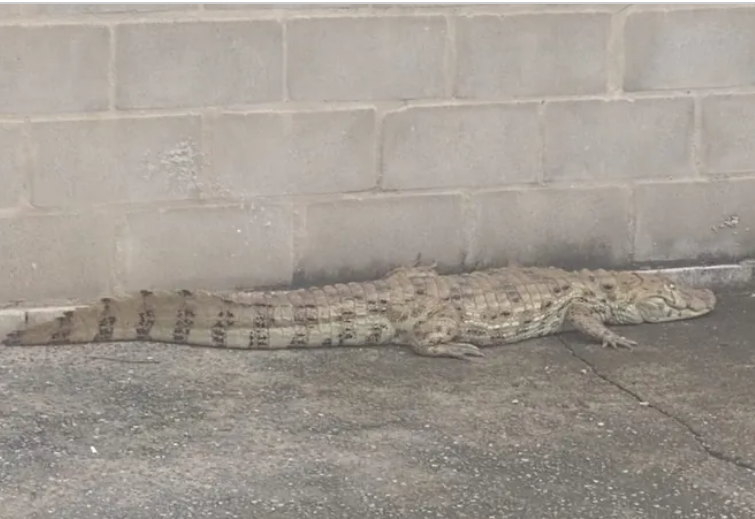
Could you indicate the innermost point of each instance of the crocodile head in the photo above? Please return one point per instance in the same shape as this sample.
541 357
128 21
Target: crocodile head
638 297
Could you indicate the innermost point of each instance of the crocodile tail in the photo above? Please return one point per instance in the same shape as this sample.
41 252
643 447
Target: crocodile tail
149 316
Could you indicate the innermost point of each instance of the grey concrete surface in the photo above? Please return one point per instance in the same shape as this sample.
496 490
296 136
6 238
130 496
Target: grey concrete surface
543 429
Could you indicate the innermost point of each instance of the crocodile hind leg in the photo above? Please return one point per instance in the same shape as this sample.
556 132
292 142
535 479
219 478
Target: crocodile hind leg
454 350
434 336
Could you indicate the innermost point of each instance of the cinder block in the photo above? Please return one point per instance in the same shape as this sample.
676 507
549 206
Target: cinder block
690 49
706 221
576 228
74 9
55 257
12 175
411 7
54 69
339 59
281 5
610 140
477 146
728 133
531 55
119 160
11 10
291 153
362 239
214 248
197 64
559 8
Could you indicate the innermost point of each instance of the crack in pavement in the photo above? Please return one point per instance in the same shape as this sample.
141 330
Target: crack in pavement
698 436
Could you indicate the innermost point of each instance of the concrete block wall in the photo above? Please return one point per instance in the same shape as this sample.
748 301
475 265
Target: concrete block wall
225 146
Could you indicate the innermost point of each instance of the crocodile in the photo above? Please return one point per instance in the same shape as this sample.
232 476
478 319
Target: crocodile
451 316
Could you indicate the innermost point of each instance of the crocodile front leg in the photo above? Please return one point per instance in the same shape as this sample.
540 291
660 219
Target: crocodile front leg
591 324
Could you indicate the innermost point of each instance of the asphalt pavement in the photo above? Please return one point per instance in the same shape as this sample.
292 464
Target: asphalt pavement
552 428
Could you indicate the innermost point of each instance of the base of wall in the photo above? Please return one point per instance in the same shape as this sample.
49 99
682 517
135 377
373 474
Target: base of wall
708 276
712 276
